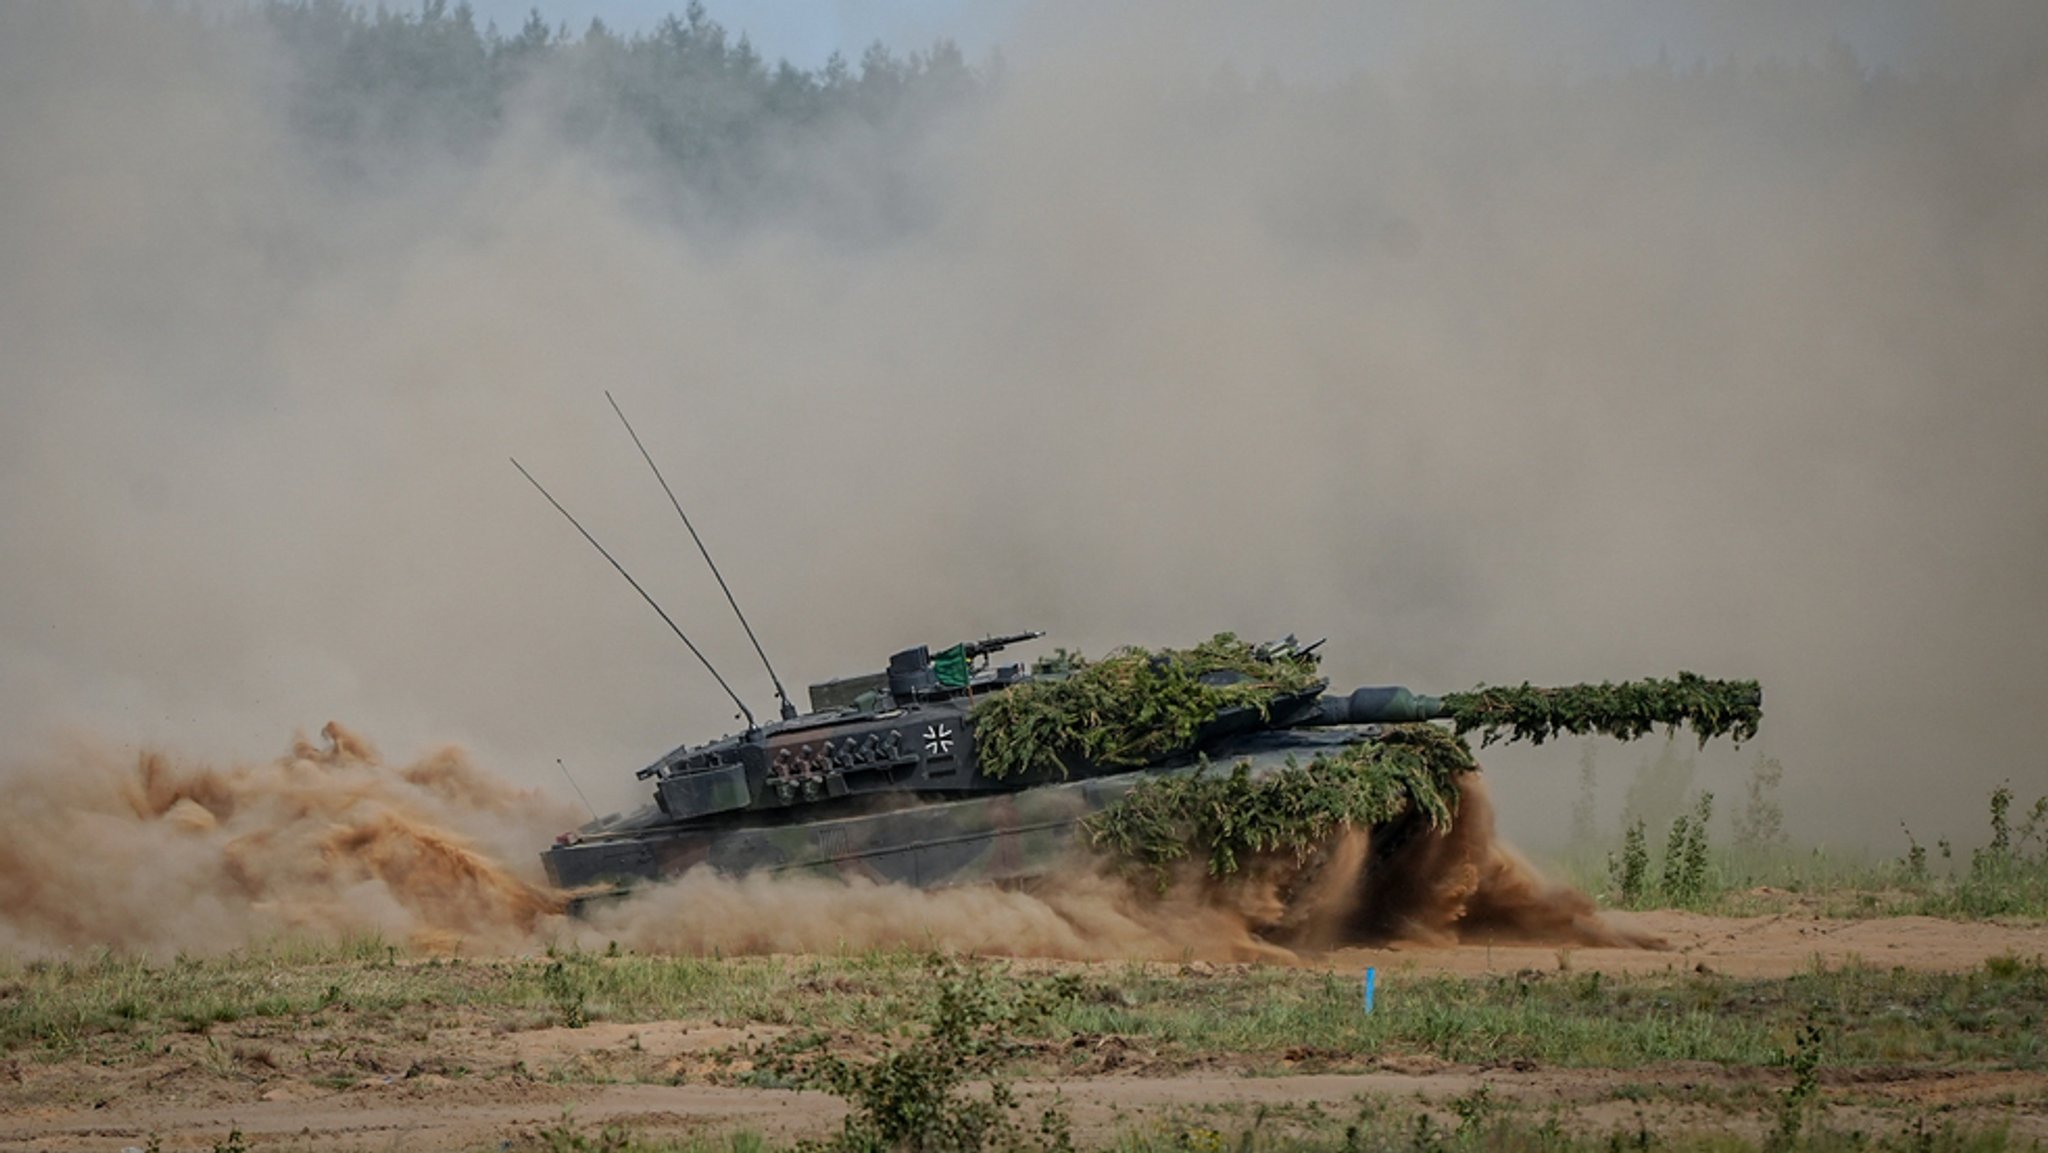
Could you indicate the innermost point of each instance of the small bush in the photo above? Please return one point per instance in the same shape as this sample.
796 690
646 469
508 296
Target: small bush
1685 855
2009 875
1631 872
569 990
913 1097
1801 1096
1916 857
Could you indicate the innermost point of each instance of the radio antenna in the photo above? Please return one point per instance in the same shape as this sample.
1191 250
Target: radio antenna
744 711
788 710
577 787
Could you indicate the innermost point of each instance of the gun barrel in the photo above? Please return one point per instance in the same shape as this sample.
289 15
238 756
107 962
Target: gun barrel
1377 705
988 645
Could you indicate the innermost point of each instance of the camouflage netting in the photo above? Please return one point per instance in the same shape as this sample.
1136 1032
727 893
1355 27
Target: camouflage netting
1627 710
1136 708
1228 817
1131 708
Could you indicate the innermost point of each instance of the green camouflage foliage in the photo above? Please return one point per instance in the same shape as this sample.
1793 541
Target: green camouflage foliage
1228 817
1136 708
1129 709
1627 710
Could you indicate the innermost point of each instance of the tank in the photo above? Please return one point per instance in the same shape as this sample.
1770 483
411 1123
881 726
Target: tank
948 767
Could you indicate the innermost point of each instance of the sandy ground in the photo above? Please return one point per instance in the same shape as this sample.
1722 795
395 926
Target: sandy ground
1773 946
192 1101
436 1115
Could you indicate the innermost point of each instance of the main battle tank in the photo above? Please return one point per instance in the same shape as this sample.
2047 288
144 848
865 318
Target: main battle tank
946 767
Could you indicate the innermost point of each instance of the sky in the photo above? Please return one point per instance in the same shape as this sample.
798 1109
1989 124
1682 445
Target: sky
805 32
1293 36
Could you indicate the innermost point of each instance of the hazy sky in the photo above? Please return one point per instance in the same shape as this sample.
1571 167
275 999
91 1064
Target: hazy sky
1486 381
1601 34
803 31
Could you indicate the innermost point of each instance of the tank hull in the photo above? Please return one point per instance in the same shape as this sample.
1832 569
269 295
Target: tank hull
995 838
1004 837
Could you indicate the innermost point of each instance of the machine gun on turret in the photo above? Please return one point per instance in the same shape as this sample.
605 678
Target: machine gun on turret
918 674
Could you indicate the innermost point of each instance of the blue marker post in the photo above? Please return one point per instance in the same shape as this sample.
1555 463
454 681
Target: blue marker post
1369 975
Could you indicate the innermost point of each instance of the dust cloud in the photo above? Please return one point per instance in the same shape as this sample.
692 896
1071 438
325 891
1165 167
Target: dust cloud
1487 342
149 854
1459 887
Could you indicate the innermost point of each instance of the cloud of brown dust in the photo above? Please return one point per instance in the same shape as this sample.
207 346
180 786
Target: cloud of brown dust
1492 361
1436 888
147 853
152 855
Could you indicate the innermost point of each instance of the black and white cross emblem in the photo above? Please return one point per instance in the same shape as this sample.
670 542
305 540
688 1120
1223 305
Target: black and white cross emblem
938 741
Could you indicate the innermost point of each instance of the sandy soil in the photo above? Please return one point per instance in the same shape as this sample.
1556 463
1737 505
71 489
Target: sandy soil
1773 946
432 1114
190 1098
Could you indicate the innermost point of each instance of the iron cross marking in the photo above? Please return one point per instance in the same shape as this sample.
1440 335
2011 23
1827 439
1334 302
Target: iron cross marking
938 741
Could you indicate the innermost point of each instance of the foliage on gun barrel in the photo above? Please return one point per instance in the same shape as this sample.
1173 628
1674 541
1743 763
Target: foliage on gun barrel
1627 710
1231 816
1131 708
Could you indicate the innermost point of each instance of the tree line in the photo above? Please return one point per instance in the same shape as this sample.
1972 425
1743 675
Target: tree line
363 85
730 133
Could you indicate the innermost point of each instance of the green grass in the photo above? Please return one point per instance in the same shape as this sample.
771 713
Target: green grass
1812 1030
1589 1020
1474 1123
1738 883
2006 878
1997 1015
1486 1127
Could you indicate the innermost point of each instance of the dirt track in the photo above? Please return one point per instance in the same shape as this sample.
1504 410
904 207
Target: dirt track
191 1103
436 1116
